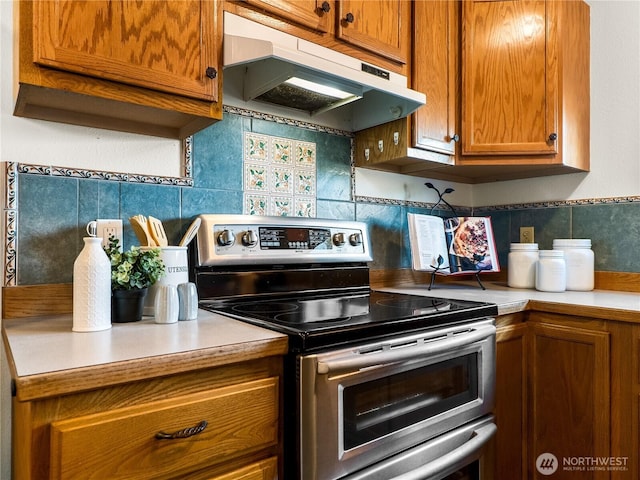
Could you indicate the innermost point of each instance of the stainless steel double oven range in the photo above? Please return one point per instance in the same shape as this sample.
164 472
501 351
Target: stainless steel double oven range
377 385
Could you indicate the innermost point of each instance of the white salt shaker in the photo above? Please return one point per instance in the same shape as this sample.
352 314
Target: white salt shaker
166 305
188 301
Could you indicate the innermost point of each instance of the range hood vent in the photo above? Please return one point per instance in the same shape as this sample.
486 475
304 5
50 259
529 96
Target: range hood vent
278 69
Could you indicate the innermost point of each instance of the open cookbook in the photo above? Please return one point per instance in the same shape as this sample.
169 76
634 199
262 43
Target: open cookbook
452 246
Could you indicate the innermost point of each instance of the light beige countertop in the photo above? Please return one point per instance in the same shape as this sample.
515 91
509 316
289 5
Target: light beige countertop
606 304
44 350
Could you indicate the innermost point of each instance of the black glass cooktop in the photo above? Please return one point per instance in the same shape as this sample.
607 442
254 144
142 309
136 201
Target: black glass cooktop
316 321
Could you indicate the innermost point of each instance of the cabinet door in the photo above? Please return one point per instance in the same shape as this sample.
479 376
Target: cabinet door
570 396
380 27
314 14
158 44
435 73
511 402
509 69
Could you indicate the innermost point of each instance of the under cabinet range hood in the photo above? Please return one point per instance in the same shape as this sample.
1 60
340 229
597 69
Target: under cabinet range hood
281 71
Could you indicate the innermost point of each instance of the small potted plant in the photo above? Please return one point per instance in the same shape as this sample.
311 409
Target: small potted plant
132 272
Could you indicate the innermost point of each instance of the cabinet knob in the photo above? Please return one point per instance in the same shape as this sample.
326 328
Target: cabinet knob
349 17
211 72
455 138
553 137
326 8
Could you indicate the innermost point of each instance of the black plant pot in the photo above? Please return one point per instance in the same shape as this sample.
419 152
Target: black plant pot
127 305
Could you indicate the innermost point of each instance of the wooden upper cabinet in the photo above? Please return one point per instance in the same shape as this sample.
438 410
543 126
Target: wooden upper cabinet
150 67
510 78
156 44
435 73
314 14
379 26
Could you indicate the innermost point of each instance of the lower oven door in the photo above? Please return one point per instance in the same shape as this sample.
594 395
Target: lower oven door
460 454
362 404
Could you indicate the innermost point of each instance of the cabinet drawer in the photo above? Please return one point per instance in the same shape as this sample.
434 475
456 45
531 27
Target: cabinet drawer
264 470
122 443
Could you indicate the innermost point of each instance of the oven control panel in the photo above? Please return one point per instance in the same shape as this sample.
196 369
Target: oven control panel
248 239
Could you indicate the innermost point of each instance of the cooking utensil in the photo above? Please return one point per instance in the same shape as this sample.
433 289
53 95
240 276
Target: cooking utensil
157 231
190 233
139 225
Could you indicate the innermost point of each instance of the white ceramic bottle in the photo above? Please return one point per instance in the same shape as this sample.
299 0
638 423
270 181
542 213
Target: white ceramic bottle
91 288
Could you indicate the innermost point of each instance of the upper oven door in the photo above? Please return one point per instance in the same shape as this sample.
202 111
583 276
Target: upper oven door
362 404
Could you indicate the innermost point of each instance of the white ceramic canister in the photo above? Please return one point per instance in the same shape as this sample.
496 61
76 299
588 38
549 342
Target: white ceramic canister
521 270
579 260
91 288
551 274
176 272
166 304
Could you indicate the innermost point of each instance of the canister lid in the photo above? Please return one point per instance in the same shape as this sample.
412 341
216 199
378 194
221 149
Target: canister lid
552 253
524 246
572 243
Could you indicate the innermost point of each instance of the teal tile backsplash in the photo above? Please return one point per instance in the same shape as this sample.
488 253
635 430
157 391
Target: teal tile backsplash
53 210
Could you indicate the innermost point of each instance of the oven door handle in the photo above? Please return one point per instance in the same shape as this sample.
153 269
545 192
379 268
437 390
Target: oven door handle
364 360
454 460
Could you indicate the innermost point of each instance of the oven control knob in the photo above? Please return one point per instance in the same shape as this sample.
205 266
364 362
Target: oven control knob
338 239
355 239
226 238
249 238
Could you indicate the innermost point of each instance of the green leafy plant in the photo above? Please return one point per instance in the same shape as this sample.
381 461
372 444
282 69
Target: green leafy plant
134 268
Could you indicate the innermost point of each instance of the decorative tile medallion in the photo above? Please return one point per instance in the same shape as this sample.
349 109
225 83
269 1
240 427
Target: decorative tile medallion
256 204
256 147
305 155
256 177
279 176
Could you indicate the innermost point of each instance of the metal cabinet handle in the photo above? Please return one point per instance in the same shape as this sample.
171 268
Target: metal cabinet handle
553 137
460 456
184 433
358 361
326 8
455 138
349 18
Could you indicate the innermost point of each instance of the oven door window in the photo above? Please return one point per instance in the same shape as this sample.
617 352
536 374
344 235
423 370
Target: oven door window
379 407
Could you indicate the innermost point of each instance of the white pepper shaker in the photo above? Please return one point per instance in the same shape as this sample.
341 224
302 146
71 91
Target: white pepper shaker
166 305
188 301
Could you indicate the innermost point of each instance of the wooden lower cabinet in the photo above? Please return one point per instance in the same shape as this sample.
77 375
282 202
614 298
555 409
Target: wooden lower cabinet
568 386
570 409
219 424
511 397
